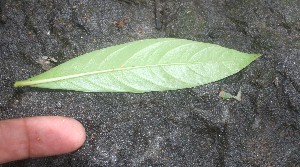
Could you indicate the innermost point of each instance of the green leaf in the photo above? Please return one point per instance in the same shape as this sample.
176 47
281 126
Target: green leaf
143 66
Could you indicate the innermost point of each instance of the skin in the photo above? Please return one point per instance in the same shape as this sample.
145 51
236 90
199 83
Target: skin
38 137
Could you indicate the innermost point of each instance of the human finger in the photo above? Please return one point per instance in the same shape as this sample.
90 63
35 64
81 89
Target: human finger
39 136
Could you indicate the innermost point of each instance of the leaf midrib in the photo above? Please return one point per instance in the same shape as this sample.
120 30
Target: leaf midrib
42 81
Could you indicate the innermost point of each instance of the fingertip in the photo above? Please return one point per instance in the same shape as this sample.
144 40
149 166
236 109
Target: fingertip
76 131
39 136
57 135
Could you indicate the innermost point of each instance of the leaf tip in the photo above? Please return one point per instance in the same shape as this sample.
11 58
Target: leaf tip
256 56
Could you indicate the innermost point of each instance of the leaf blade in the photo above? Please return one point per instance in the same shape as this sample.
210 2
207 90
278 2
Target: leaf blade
143 66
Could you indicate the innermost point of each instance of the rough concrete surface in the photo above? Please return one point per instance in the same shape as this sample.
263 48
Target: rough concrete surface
189 127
